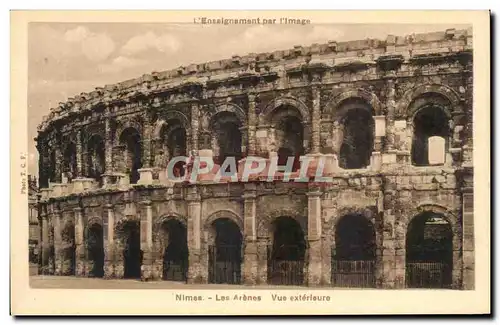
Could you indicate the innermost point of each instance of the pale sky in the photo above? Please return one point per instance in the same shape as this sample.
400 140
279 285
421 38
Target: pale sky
66 59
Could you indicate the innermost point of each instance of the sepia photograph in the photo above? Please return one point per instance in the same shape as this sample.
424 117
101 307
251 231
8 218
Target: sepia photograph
256 158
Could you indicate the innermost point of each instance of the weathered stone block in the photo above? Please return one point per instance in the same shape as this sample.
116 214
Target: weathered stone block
389 158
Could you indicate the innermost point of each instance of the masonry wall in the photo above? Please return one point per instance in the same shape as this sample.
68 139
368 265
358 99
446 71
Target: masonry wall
392 80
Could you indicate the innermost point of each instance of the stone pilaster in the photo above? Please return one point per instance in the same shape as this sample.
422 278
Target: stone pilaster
262 245
45 252
195 113
58 258
197 273
388 249
58 162
109 242
79 243
157 257
79 154
108 144
390 105
314 237
250 265
468 255
252 125
326 259
398 245
147 242
315 119
147 144
51 254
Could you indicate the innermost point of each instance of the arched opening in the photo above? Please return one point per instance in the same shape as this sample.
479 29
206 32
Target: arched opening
286 254
52 167
353 257
68 249
225 252
44 167
430 121
95 157
358 135
173 140
129 234
429 252
289 132
130 139
175 250
226 129
69 166
95 250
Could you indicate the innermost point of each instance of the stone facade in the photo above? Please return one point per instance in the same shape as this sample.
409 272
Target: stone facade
34 229
102 155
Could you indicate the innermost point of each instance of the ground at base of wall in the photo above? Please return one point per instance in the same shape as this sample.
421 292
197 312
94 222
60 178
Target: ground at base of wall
68 282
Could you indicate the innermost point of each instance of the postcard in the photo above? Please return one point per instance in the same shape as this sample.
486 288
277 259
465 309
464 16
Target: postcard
250 162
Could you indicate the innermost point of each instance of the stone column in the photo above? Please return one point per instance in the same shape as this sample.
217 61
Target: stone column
314 237
58 258
159 244
195 112
51 263
326 259
252 125
399 244
109 242
147 242
197 273
79 154
250 265
58 163
391 111
468 263
39 245
79 243
262 251
388 249
316 119
146 172
45 252
147 143
108 143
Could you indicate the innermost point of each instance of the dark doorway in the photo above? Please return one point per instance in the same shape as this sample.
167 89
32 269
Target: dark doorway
52 167
70 166
225 256
175 255
428 122
226 128
68 249
95 158
286 255
429 252
95 250
353 259
131 140
132 254
175 138
357 144
291 135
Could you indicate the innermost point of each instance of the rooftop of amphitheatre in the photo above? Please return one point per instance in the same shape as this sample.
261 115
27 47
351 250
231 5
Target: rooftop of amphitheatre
327 55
